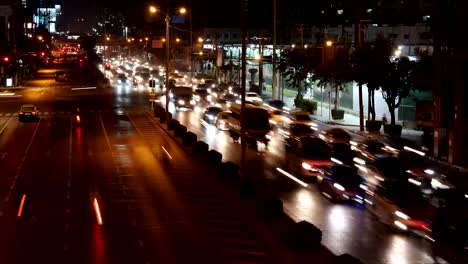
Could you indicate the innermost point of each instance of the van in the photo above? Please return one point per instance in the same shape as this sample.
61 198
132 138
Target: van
257 124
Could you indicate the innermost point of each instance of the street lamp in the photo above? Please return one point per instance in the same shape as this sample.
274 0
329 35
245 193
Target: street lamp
167 20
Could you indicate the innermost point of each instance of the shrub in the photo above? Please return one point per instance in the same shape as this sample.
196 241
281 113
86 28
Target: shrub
171 124
180 130
189 138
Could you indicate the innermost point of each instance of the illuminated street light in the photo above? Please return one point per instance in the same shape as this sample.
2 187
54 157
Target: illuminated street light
177 40
329 43
200 39
153 9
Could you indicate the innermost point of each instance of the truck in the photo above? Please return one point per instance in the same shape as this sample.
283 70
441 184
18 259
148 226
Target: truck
182 97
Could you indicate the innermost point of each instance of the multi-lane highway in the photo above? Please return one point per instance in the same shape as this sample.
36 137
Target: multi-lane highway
346 228
100 191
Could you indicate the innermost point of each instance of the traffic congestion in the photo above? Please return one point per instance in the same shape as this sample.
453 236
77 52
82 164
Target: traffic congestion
366 195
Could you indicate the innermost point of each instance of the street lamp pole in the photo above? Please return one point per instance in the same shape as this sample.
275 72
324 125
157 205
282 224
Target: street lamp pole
167 20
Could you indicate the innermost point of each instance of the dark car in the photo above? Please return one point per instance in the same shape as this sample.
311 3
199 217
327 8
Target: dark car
28 112
201 94
294 133
401 206
210 114
61 76
278 104
341 183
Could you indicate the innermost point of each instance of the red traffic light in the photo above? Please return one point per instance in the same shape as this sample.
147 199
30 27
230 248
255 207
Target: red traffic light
42 53
6 59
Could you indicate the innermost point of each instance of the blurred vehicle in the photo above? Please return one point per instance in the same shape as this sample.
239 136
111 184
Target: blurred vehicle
294 133
341 183
381 168
369 148
222 119
221 102
182 97
254 98
401 206
449 235
257 125
336 135
309 157
28 112
276 116
210 113
232 98
216 92
61 76
277 104
77 117
297 117
343 153
122 80
201 94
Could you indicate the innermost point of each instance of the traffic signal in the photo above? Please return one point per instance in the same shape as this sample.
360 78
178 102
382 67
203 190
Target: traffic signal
152 83
6 59
42 53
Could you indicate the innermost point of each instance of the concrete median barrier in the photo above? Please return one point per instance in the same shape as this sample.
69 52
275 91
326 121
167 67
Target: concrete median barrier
199 149
214 158
304 235
171 124
188 139
159 111
270 207
179 130
229 169
346 259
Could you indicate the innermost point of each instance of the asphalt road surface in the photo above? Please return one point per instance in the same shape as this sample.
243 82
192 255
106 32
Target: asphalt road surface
346 228
102 191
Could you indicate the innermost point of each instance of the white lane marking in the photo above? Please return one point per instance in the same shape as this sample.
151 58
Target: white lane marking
83 88
290 176
6 124
7 198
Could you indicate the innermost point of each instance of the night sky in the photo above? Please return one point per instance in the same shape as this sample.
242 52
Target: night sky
206 13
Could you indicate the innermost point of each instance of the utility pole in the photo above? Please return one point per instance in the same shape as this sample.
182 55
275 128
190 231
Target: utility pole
358 42
243 79
274 89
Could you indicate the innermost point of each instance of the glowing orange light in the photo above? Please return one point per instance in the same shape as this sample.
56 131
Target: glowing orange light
20 210
98 212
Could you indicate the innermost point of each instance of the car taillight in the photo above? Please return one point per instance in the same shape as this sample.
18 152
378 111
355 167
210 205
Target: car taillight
33 113
20 112
78 118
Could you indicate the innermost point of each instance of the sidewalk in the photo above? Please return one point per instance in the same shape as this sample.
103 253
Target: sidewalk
409 137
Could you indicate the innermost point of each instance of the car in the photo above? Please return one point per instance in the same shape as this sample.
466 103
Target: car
254 98
341 183
221 102
336 135
294 133
297 117
122 79
275 116
201 94
28 112
61 76
210 113
401 206
277 104
221 120
308 158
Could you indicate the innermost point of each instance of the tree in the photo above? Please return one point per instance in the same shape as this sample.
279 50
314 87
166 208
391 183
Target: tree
335 73
296 65
397 83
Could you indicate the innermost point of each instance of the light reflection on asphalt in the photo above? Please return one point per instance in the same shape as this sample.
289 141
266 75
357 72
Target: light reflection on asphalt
346 228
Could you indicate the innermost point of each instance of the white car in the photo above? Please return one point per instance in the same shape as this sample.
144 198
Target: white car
253 98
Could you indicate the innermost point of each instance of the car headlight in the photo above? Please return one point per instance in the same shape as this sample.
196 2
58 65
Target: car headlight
402 215
338 186
119 81
192 102
211 117
181 102
306 166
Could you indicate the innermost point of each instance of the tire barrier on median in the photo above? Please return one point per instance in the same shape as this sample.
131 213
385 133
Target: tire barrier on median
179 130
171 124
304 235
346 259
229 169
159 111
214 158
270 207
200 148
189 138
